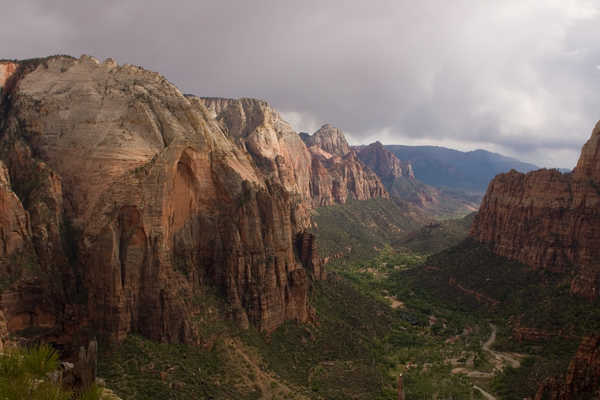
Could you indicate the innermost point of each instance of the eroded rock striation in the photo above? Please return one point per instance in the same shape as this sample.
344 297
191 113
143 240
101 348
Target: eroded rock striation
7 68
328 138
549 220
122 202
337 174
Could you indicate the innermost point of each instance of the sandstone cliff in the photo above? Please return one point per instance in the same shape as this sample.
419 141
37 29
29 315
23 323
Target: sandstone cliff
123 201
337 174
7 68
384 163
328 138
548 220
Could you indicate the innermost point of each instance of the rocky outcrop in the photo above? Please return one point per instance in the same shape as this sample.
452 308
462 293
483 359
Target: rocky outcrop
328 138
135 199
15 231
582 380
337 174
7 68
384 163
336 179
588 166
307 248
548 220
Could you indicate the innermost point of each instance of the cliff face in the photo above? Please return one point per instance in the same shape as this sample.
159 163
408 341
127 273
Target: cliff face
384 163
582 380
7 68
548 220
337 174
330 139
122 202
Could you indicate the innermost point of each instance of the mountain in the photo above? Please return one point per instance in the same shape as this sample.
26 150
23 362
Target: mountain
385 164
548 220
399 179
125 205
447 168
328 138
337 172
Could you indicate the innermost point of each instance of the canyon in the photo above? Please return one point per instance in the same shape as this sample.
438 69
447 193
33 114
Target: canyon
130 211
548 219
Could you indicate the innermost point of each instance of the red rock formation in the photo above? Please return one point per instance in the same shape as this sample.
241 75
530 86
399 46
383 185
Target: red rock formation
548 220
309 255
15 230
582 380
7 68
134 199
336 179
337 174
123 201
384 163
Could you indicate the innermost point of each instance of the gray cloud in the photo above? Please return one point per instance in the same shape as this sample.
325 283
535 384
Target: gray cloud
515 76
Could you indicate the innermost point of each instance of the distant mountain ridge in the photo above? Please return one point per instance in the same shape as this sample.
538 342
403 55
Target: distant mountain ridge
398 176
449 168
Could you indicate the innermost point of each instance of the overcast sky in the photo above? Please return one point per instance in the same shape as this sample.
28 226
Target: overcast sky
518 77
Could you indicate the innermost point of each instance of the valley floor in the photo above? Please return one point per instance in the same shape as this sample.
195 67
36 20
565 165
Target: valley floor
393 312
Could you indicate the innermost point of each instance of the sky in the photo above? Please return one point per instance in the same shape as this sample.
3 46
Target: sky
520 77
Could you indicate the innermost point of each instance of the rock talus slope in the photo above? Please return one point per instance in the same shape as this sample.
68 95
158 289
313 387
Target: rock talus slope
122 201
549 220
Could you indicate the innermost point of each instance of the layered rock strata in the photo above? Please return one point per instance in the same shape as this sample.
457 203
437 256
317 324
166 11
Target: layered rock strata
548 220
337 174
7 68
122 202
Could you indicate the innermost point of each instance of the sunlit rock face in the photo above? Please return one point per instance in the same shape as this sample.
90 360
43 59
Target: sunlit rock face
549 220
337 172
123 202
7 69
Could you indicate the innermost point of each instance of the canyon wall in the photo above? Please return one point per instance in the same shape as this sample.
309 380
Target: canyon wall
337 174
123 202
548 220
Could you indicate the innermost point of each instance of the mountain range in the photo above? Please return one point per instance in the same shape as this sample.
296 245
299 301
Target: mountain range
469 171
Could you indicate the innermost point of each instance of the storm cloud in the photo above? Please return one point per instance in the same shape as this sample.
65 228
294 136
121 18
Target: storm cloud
518 77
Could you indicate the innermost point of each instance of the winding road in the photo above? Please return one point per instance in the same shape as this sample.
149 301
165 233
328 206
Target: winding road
500 360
